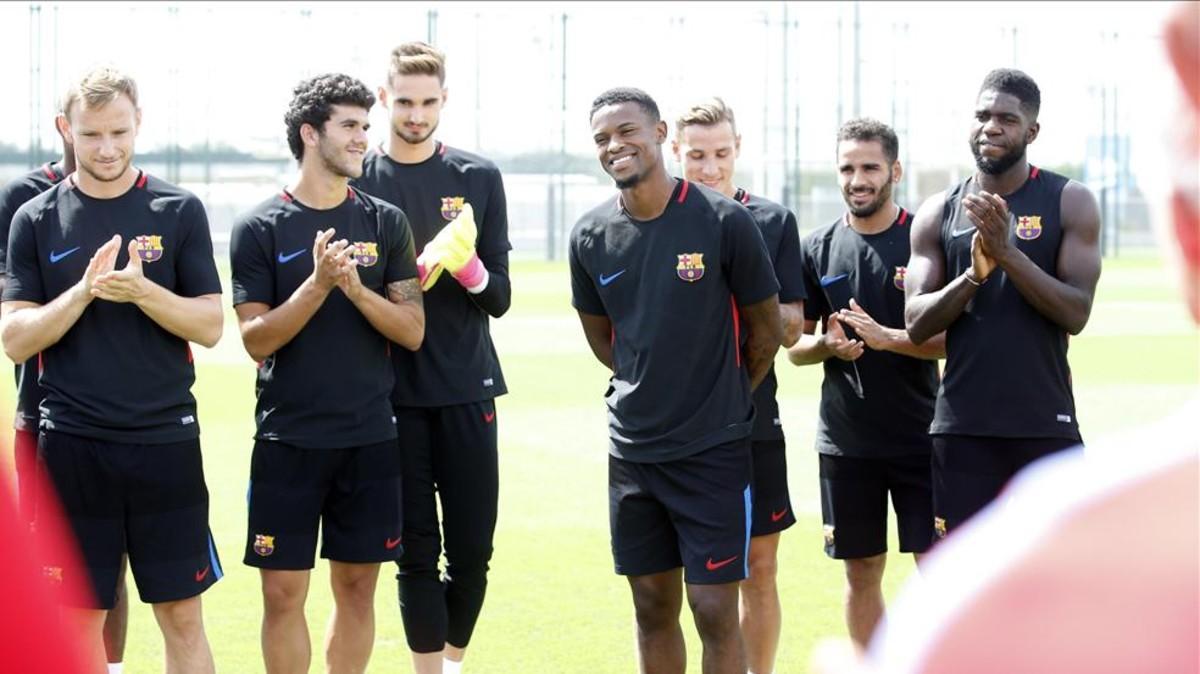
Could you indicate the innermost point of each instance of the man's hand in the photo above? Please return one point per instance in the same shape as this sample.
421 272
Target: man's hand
835 340
429 266
328 260
349 281
990 215
873 334
981 265
127 285
455 248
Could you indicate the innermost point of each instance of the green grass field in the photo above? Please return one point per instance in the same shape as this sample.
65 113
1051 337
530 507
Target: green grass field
554 603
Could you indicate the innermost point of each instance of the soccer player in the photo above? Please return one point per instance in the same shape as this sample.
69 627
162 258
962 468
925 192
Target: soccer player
707 145
445 393
878 391
666 277
110 276
318 315
1007 264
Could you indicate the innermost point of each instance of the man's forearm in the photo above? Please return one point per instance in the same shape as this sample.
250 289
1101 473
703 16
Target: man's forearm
1063 304
496 296
30 329
401 322
809 350
931 313
792 315
268 332
196 319
931 349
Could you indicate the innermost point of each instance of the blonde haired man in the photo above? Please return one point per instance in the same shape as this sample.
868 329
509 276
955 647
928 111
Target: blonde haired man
110 278
706 145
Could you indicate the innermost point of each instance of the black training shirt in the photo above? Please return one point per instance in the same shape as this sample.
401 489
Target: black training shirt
782 236
671 287
116 375
12 196
1006 364
457 362
329 386
892 418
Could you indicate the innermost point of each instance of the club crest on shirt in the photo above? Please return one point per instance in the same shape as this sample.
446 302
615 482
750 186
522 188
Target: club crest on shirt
149 247
828 531
365 253
452 206
690 267
939 527
1029 227
898 278
264 545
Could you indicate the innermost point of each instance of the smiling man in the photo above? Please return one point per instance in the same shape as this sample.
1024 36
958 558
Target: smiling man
707 146
318 315
668 277
110 277
1007 264
445 393
878 390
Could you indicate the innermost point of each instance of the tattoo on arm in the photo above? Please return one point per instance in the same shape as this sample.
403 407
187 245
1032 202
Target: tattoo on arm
405 292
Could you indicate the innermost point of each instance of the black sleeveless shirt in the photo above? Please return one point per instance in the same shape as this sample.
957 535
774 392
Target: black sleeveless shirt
1006 364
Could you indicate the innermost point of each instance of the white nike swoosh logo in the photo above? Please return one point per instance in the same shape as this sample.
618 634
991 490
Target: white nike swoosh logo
955 233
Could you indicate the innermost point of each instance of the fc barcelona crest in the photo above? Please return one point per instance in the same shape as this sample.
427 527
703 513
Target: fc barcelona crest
898 278
149 248
1029 227
264 545
690 267
365 253
451 207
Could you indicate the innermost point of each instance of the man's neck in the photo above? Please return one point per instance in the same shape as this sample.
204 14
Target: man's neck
67 162
877 222
101 189
1005 183
648 199
319 189
403 152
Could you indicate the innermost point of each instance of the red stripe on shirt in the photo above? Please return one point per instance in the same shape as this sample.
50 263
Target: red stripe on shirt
141 181
441 148
682 192
50 172
737 333
1033 172
745 197
903 219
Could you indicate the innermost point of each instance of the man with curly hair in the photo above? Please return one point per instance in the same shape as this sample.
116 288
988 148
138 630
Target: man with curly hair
324 279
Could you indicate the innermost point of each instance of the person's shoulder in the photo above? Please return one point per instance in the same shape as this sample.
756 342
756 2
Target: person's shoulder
386 209
821 234
466 162
764 209
266 213
25 187
721 209
593 222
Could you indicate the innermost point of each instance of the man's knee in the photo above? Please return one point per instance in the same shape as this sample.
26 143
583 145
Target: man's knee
284 591
763 569
865 573
354 584
181 619
715 609
657 600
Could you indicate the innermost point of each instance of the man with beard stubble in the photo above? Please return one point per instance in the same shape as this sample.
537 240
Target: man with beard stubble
1007 264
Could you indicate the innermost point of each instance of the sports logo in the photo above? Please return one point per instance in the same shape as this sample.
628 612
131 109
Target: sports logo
898 279
1029 227
264 545
365 253
828 531
939 527
452 206
149 247
53 573
690 267
713 566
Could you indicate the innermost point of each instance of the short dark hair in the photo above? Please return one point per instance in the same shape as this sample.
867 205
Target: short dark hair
627 95
867 129
313 101
1015 83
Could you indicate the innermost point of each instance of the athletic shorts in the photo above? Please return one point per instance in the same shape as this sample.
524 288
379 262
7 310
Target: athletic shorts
149 501
772 503
854 496
692 512
970 471
25 444
352 495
